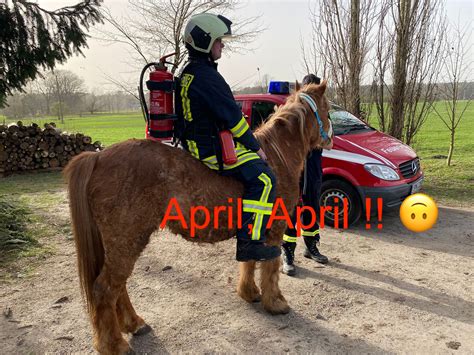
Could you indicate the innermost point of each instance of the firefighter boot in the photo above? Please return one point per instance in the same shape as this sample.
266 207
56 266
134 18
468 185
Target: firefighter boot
257 251
289 258
312 252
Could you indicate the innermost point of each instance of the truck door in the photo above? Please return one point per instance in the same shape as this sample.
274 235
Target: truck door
260 112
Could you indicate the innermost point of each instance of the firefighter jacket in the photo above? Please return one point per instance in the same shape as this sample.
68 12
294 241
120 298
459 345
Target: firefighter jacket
205 105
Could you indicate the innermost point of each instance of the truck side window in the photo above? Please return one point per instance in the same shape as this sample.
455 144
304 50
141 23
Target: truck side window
260 112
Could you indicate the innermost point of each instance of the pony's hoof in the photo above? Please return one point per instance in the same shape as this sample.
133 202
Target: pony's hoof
144 329
277 306
249 295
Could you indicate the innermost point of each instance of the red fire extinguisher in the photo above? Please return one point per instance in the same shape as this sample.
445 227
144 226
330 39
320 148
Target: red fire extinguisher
226 140
160 117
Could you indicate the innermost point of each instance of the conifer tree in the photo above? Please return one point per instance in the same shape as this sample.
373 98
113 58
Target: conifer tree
34 39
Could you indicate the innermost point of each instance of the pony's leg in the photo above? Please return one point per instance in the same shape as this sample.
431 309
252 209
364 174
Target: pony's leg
107 287
128 320
272 299
114 312
246 287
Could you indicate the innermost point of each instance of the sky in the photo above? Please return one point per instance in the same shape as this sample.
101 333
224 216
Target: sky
277 51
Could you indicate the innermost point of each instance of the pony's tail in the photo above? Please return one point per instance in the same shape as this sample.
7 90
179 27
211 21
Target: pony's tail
89 247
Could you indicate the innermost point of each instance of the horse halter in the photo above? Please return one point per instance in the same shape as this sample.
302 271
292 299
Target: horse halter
310 101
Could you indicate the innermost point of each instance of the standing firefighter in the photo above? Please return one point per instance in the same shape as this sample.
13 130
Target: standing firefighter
206 106
310 183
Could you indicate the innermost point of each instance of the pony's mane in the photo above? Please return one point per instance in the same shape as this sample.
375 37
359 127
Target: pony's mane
289 117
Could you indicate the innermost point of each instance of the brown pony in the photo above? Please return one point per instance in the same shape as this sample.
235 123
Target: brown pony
118 198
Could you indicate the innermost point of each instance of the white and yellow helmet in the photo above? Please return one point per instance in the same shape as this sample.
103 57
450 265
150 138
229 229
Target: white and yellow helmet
203 29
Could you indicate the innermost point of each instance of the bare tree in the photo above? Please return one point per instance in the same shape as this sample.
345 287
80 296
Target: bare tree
457 68
381 64
31 102
416 28
32 39
312 56
118 101
340 42
156 27
65 88
355 64
24 103
46 91
92 103
424 65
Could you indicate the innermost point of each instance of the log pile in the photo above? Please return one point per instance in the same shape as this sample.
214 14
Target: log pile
32 147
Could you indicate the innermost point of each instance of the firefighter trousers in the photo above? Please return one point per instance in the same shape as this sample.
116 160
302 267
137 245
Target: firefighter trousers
257 201
310 185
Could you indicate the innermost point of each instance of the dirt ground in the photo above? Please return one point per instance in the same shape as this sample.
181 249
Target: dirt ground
388 291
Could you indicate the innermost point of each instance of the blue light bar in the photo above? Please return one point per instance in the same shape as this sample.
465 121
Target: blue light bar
279 87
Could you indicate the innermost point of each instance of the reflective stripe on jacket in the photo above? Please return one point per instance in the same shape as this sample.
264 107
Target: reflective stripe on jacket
205 102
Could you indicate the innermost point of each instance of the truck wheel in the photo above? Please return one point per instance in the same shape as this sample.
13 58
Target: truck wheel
332 189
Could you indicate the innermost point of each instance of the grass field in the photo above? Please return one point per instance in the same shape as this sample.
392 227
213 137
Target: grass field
107 128
451 185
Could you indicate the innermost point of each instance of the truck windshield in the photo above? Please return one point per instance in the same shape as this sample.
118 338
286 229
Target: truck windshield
344 122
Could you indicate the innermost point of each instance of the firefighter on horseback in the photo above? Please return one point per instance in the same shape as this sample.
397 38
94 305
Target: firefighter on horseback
206 107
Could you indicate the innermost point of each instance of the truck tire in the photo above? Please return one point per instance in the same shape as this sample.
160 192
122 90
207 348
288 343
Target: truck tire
331 189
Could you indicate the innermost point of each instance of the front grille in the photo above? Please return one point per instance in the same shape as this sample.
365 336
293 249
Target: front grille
410 168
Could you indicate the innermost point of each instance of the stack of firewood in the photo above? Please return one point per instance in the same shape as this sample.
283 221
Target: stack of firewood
32 147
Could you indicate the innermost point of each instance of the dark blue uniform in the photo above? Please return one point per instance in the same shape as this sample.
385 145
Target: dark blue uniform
310 185
206 105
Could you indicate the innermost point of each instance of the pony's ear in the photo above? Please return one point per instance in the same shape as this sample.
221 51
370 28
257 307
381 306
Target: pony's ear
323 86
297 85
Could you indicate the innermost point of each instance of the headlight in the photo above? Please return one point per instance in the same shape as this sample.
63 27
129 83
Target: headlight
382 171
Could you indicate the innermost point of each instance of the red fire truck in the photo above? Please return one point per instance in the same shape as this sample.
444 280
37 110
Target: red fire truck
364 163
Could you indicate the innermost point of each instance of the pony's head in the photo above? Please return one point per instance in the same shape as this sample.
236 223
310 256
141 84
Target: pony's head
297 121
317 127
